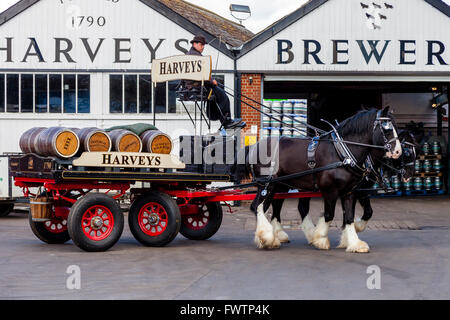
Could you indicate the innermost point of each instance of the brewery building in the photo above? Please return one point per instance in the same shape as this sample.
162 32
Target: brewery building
87 63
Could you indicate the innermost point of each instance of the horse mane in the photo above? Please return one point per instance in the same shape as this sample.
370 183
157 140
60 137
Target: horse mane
358 123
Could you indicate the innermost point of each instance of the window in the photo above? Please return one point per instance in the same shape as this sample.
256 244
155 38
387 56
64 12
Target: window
69 93
40 93
26 93
84 93
55 93
131 94
12 93
43 93
2 93
145 94
115 93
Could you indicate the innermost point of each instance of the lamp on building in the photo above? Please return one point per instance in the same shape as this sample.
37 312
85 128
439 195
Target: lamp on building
240 12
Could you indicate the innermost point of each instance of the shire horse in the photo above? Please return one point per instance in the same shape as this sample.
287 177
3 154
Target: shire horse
403 166
363 132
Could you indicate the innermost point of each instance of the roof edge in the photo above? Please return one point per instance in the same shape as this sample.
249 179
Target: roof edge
15 9
187 25
440 5
280 25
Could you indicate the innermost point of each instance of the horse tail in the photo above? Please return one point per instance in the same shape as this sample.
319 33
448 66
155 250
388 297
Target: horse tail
242 168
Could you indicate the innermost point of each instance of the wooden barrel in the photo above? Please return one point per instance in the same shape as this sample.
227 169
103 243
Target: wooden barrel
93 140
155 141
28 140
125 141
41 208
58 142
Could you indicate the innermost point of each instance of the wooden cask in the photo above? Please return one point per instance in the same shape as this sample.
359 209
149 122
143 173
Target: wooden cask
93 140
58 142
41 209
28 140
155 141
125 141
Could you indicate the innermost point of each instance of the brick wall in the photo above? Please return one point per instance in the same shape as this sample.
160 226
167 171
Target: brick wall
253 91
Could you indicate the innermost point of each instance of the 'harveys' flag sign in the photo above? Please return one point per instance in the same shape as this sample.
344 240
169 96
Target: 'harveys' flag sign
183 67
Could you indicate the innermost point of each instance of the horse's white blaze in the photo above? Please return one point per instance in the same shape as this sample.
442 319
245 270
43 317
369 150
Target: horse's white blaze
308 228
398 147
265 235
353 242
360 225
320 235
279 232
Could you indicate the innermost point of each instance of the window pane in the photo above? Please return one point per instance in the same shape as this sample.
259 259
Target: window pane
26 88
145 94
2 93
173 85
40 88
115 94
84 93
160 98
55 93
12 96
131 94
69 93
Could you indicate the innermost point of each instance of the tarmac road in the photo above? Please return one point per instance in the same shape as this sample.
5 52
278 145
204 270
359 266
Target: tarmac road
413 264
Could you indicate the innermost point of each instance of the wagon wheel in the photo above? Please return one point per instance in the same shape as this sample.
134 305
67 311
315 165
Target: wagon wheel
204 224
95 222
154 219
6 209
53 231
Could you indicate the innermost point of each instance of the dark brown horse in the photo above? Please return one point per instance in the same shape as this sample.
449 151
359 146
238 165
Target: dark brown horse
273 157
403 166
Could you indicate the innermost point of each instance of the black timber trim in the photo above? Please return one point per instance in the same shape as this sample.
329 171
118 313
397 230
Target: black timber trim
440 5
15 9
310 6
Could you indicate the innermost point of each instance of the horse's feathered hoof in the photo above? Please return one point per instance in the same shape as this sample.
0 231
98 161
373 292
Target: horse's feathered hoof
266 241
359 247
279 232
321 243
360 225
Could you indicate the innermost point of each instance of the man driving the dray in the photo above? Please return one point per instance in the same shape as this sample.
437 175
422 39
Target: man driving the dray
219 105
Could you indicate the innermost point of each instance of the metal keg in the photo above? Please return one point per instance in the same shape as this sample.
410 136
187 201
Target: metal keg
407 185
437 165
418 166
427 166
428 183
395 183
426 148
437 183
418 183
436 147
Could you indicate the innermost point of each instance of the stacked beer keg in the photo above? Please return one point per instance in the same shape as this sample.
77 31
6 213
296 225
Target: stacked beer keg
66 143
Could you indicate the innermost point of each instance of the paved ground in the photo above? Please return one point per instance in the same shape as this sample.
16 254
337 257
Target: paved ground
409 239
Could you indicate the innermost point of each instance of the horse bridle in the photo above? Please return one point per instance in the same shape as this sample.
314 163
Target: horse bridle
385 123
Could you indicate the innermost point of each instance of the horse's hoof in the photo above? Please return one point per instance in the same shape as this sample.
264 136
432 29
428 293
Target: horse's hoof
360 225
283 237
360 247
321 243
267 241
343 242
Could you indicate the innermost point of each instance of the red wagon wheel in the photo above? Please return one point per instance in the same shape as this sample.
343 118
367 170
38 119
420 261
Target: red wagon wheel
154 219
95 222
204 223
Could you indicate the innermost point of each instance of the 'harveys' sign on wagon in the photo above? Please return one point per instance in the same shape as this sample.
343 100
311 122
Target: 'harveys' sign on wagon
186 67
129 160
